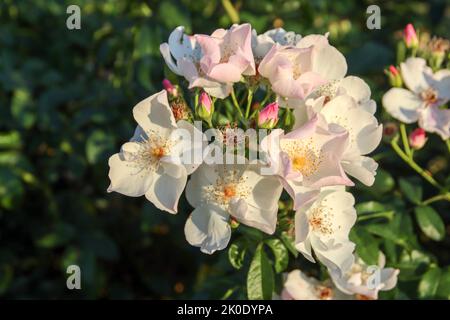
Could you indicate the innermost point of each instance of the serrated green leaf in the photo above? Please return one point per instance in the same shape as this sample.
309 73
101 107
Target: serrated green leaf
260 282
430 222
236 254
280 253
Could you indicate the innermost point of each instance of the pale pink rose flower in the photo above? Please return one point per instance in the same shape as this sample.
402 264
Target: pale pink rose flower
427 92
227 54
289 70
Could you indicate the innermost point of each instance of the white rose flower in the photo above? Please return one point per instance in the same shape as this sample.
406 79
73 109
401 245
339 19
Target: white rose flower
218 191
426 93
153 162
324 226
359 280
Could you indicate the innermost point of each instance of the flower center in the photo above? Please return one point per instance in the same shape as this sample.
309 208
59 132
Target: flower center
304 159
151 149
320 220
429 96
227 186
324 293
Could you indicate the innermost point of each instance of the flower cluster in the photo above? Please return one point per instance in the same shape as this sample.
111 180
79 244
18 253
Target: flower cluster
421 86
319 128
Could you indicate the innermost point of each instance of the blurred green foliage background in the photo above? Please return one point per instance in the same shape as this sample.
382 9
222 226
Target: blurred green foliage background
65 106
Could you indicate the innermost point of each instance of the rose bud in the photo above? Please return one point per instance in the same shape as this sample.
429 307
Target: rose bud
410 36
205 108
417 138
170 88
395 78
268 117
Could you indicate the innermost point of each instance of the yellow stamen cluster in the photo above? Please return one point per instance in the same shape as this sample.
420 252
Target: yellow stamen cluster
429 96
321 219
305 158
324 293
152 147
228 185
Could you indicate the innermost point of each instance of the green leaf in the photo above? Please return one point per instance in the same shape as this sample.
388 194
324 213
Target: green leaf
369 207
99 146
430 222
10 140
236 254
280 253
443 291
21 108
411 189
260 281
288 242
429 283
384 182
366 245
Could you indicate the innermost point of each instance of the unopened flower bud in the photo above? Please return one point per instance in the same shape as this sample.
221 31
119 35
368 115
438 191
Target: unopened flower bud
410 36
205 108
170 88
268 117
395 78
417 138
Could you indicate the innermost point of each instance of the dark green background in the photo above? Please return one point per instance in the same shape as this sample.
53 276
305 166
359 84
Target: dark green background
65 106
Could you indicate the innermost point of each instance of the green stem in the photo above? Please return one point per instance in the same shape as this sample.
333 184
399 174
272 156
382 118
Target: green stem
405 139
249 103
448 144
236 103
439 197
414 165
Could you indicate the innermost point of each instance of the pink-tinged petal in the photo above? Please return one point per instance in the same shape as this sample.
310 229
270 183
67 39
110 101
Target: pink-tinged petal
210 48
436 120
413 74
266 66
227 72
305 130
441 83
308 82
180 44
287 171
402 104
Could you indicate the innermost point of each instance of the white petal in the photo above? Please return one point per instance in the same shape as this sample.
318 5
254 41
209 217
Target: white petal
165 52
388 277
361 168
154 114
207 227
434 119
329 63
202 177
301 227
413 73
442 83
126 178
166 190
220 92
356 88
339 257
402 104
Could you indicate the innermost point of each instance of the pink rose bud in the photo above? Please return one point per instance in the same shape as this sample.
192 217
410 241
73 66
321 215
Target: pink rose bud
205 108
169 87
268 117
393 70
410 36
395 78
205 101
417 138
